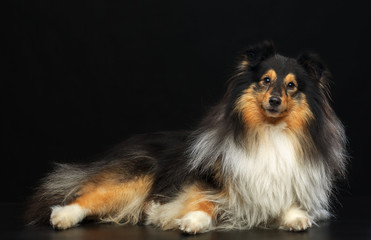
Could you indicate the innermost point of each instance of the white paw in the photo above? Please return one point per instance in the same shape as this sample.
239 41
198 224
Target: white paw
195 222
67 216
295 219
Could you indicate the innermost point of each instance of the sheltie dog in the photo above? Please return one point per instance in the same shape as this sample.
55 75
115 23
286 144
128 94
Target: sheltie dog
267 155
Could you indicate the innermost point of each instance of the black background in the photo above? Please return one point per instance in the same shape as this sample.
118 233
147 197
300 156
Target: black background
81 76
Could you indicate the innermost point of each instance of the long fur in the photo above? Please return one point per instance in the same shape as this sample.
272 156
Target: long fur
249 167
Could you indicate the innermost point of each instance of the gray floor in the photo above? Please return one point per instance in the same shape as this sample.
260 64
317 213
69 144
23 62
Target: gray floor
353 222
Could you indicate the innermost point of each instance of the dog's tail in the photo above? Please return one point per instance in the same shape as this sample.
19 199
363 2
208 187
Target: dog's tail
57 188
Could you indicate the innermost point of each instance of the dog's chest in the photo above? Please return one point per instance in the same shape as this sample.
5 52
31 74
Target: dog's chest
273 156
267 171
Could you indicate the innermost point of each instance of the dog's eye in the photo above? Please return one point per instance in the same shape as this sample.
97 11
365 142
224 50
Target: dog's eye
291 85
266 80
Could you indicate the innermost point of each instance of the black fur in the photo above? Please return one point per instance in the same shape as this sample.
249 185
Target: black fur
158 153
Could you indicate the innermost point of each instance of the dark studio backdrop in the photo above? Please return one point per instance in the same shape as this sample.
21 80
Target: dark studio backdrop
81 76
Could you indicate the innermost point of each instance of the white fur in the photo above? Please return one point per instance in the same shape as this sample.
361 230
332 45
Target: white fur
67 216
164 215
195 222
266 176
169 215
295 219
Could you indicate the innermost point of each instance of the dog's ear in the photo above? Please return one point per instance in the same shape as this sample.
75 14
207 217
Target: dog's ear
316 68
255 54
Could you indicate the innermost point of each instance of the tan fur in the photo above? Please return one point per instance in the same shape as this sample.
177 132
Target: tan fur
192 198
271 74
248 106
296 112
290 78
299 114
195 201
114 201
243 65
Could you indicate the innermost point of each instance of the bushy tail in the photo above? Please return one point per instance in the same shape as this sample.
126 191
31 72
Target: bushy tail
57 188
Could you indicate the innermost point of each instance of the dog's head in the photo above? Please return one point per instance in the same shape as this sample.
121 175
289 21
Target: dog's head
270 88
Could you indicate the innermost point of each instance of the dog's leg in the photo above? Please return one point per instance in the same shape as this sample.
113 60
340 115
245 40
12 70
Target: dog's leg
195 222
105 199
64 217
197 213
295 219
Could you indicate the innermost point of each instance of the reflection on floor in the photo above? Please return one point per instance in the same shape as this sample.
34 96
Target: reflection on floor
353 222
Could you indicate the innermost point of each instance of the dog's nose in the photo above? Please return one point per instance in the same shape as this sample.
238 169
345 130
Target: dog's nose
275 101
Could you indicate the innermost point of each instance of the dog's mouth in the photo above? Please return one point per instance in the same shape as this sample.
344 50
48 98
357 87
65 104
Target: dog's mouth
273 112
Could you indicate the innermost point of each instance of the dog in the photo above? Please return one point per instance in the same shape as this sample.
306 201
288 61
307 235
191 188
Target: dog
267 155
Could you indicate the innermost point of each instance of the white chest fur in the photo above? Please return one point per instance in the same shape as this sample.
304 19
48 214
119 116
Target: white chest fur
269 176
265 177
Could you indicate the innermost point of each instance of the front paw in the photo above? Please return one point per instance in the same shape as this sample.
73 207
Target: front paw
295 219
195 222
